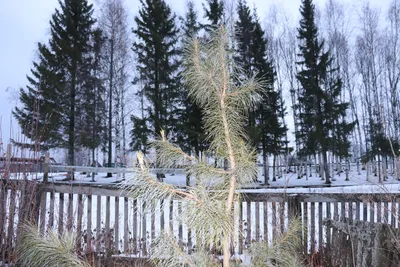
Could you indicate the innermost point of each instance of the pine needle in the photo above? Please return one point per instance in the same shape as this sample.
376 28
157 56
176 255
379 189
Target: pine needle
49 249
283 252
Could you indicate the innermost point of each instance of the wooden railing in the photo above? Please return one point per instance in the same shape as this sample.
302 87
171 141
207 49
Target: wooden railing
107 220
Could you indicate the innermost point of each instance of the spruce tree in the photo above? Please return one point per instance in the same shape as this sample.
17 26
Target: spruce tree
156 51
319 93
59 76
264 127
244 57
192 117
244 29
91 124
214 13
40 115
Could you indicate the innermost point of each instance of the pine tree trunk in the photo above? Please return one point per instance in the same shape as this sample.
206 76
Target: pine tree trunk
384 168
379 170
321 167
347 169
94 163
71 126
326 167
274 169
266 168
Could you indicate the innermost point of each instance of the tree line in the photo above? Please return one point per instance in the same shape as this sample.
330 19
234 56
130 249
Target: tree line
341 93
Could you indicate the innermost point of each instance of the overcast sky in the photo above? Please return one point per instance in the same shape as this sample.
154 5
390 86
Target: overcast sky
24 23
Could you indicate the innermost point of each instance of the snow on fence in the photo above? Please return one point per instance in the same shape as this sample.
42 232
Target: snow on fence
107 221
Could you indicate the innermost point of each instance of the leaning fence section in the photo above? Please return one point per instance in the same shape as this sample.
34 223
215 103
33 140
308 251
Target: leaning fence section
107 221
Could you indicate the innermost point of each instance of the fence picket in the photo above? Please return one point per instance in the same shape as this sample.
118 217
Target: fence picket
248 222
116 225
89 223
126 228
98 224
61 213
265 206
257 221
51 210
135 232
79 220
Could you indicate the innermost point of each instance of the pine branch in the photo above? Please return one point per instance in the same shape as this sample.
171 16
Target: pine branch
49 249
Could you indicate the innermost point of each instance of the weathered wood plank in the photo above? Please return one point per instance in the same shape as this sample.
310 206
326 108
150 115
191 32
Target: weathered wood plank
98 224
42 216
79 220
365 211
153 221
144 229
379 212
265 224
61 213
162 214
248 222
386 212
135 232
351 208
11 216
240 227
171 216
70 218
89 223
320 226
116 225
51 210
394 213
328 229
274 222
282 216
372 211
107 231
257 221
342 211
357 211
126 228
312 227
306 228
180 229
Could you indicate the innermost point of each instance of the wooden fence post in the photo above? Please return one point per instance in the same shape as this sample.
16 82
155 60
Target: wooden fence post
46 167
294 207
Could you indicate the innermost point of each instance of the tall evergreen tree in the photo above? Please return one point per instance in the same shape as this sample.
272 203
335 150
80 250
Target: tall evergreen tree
272 129
319 93
263 124
244 29
214 13
244 36
192 117
156 51
91 124
40 115
59 76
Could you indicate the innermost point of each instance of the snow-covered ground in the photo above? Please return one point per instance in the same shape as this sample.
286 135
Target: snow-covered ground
289 182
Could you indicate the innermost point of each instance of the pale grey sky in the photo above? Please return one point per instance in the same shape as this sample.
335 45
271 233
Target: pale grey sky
24 23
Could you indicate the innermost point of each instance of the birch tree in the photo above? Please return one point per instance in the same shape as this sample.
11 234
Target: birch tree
114 23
